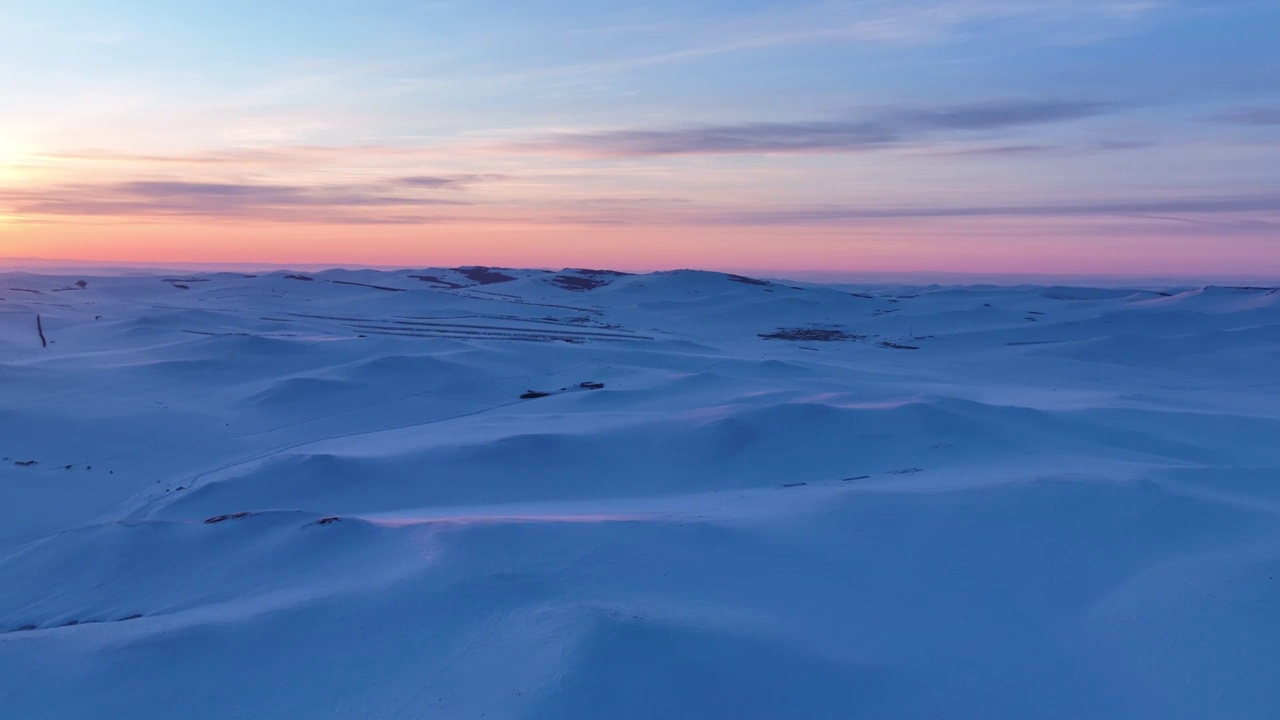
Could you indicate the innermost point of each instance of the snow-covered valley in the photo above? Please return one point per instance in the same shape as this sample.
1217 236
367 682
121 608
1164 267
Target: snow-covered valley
466 493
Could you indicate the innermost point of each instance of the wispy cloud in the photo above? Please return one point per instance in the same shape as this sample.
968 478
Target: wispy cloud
889 22
1001 150
1165 208
276 155
401 202
886 128
1254 212
1035 150
448 182
174 198
1266 115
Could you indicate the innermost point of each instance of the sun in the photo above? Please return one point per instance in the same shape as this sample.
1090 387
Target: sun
14 164
14 157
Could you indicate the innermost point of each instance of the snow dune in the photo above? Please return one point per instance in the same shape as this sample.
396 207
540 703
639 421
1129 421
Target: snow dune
497 493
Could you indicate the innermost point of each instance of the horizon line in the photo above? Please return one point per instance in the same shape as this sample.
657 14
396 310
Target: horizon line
37 264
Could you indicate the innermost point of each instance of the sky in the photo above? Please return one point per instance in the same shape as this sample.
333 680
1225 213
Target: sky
1130 137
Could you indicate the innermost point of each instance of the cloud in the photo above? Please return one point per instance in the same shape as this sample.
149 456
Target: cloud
1005 150
243 156
1035 150
280 155
886 128
447 182
995 115
1227 213
279 202
891 22
1124 144
1253 116
398 202
1267 203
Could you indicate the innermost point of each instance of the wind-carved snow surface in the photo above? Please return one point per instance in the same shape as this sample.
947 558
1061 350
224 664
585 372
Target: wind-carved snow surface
323 495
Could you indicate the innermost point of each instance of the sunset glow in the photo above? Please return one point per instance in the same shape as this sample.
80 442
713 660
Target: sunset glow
1096 136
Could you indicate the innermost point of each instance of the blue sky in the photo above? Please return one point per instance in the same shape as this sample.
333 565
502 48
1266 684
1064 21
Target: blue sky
1104 134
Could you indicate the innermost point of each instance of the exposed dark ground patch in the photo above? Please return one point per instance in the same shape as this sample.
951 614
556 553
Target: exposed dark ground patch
29 627
577 283
896 346
375 287
747 280
483 275
223 518
438 281
587 385
813 335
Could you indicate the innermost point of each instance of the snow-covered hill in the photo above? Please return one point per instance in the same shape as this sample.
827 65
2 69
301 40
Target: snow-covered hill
477 492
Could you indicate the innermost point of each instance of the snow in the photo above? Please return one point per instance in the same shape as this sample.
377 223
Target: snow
321 495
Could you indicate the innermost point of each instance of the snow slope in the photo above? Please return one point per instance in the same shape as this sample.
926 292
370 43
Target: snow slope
323 495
